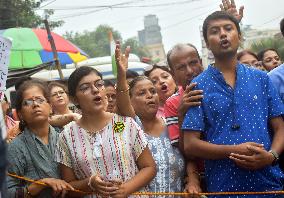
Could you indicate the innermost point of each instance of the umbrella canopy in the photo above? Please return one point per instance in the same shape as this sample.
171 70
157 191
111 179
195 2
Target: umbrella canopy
16 74
30 47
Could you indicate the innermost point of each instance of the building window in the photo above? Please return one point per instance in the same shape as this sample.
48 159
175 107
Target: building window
157 53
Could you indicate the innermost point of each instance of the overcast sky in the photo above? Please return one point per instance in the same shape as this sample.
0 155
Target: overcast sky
180 20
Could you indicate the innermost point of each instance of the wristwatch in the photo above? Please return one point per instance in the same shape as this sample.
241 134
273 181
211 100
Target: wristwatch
276 157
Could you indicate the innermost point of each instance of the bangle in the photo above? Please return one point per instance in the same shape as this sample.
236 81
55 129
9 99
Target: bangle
90 183
123 91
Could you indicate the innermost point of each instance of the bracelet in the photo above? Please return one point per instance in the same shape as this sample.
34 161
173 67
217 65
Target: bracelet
123 91
90 183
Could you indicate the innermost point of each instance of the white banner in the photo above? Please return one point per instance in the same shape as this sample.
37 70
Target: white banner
5 47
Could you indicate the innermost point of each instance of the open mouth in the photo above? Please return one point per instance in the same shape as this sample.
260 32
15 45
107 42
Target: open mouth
151 103
164 88
97 99
225 43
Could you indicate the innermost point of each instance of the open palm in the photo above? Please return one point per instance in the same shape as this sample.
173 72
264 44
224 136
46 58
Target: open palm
230 7
121 59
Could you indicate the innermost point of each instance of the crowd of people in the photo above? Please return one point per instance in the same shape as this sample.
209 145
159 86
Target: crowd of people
177 128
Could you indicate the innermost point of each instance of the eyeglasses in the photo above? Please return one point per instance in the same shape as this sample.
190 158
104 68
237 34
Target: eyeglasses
87 87
59 93
31 102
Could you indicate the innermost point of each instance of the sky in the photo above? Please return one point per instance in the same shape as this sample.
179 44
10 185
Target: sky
180 20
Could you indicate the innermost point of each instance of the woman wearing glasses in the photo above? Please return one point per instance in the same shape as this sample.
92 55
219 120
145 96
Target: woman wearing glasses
31 154
250 58
59 101
164 83
102 153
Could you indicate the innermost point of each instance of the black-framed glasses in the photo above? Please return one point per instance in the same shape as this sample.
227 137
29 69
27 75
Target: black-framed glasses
87 87
58 93
30 102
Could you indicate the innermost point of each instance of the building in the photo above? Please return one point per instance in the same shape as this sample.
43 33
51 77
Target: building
207 56
151 38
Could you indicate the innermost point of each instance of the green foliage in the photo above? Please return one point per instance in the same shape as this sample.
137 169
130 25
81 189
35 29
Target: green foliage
22 13
94 43
274 43
136 48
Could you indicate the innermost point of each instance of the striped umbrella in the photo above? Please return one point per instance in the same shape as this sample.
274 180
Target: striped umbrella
30 47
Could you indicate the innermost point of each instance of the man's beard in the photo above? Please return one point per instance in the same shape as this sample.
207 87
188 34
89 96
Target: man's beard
225 55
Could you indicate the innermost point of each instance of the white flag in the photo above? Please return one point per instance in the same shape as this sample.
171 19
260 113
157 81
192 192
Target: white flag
5 47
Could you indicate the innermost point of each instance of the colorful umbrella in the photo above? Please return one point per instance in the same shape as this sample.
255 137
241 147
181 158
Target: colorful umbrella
30 47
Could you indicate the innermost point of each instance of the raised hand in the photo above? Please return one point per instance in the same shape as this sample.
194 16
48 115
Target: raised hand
230 7
120 58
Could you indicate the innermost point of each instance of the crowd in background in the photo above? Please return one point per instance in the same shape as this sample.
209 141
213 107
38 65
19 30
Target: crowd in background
177 128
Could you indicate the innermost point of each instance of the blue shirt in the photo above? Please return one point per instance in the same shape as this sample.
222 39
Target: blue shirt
233 116
277 78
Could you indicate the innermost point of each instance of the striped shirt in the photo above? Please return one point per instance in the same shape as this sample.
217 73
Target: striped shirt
171 114
111 152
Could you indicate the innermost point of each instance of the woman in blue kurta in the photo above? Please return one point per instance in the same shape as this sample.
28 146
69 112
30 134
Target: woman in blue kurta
140 100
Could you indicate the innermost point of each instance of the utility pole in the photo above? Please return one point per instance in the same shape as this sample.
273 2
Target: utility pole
53 47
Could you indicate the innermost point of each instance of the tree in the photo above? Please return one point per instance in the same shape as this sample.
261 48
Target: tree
274 43
136 48
95 43
22 13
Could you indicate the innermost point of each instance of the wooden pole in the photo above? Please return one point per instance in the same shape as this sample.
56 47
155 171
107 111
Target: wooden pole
53 47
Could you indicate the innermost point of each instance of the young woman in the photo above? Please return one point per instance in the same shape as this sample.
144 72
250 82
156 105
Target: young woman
59 101
103 152
142 103
31 154
164 83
